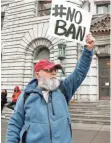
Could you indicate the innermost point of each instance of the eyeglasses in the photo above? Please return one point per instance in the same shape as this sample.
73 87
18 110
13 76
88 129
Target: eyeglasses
51 70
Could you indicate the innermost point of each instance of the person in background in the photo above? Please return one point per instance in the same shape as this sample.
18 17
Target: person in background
15 96
3 98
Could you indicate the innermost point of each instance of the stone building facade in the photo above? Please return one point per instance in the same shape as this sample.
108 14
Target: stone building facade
25 41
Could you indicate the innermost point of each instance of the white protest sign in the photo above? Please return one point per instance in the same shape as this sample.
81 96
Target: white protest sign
69 22
58 1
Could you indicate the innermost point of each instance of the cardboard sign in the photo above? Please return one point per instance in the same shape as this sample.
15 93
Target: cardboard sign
69 22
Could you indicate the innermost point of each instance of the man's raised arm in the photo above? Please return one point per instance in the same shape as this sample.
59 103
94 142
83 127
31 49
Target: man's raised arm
74 80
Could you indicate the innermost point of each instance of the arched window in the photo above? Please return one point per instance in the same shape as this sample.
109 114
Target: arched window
42 53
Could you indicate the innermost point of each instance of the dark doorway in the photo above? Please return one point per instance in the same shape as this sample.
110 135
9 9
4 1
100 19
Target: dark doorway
104 78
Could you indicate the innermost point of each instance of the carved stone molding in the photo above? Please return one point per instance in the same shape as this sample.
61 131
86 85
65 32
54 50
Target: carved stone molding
102 50
101 24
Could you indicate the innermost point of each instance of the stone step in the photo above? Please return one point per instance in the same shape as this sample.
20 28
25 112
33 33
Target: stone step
90 105
84 116
84 112
80 111
88 110
4 117
91 102
8 114
79 120
7 109
86 102
90 121
91 113
80 114
91 108
97 106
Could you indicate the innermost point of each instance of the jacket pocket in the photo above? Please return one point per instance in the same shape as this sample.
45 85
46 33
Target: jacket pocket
69 123
23 133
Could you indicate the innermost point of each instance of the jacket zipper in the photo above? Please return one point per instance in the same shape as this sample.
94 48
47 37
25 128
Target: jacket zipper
52 106
49 121
49 125
24 135
70 127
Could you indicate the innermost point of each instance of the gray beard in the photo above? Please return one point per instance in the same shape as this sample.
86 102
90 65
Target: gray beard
48 84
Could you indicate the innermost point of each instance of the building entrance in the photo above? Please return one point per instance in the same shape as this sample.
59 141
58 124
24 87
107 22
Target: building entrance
104 78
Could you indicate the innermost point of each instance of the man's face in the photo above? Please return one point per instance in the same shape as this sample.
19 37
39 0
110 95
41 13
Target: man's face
47 74
47 79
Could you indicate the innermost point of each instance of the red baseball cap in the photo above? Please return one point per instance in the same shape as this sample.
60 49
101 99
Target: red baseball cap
45 65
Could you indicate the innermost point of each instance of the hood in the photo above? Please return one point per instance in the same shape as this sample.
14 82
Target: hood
17 88
32 87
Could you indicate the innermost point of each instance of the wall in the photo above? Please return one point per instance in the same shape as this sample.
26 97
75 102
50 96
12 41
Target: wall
21 34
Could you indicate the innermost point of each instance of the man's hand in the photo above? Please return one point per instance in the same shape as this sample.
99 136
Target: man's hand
90 41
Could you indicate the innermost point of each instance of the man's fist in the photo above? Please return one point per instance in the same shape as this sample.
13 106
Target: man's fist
90 41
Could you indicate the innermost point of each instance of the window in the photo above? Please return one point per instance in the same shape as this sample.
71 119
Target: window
44 7
43 53
1 56
103 8
89 6
2 19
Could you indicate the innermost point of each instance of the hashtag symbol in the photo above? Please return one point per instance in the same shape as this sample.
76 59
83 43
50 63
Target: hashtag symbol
59 10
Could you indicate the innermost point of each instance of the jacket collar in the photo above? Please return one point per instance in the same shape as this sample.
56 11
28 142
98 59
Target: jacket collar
32 87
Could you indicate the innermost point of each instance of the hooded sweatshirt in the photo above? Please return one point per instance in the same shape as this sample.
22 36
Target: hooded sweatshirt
16 93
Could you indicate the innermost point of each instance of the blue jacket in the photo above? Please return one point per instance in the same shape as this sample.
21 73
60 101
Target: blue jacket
35 121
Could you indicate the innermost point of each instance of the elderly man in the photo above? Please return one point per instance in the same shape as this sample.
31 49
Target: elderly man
43 116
